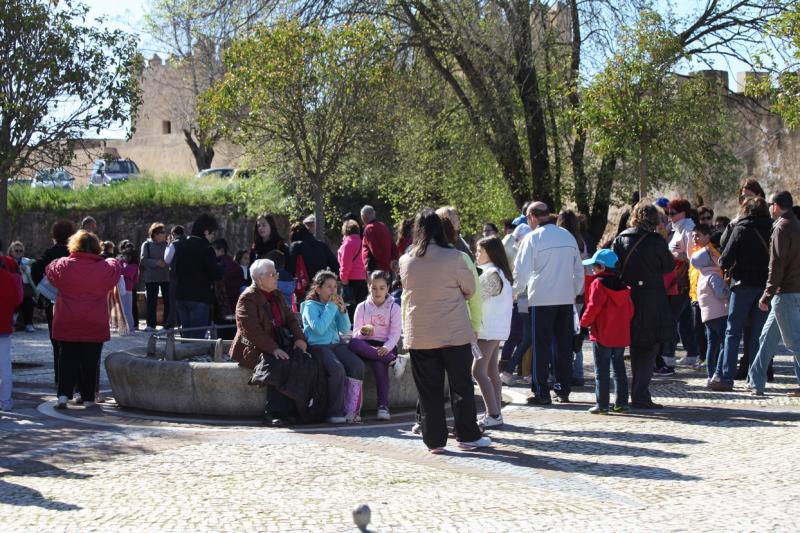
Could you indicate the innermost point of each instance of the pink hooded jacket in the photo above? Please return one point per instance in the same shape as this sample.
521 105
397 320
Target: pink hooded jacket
385 320
351 267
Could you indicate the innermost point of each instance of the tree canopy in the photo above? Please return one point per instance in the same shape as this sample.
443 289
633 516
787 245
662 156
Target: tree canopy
61 78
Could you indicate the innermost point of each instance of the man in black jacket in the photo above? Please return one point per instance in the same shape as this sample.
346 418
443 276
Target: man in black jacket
195 267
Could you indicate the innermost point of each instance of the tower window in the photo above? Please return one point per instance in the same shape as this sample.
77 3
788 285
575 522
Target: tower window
166 127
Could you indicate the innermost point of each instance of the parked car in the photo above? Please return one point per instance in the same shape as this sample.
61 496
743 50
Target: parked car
223 173
53 178
106 172
242 173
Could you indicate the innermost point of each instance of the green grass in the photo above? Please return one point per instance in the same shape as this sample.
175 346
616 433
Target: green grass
142 192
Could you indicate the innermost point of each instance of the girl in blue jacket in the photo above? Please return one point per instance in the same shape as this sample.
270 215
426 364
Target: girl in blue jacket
324 318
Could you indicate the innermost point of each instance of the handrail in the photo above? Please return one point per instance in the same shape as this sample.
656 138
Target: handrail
216 344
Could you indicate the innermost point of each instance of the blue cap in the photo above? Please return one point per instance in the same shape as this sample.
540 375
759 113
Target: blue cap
662 202
604 257
522 219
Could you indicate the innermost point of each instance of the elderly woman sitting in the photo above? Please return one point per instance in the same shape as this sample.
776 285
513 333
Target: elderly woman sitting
263 323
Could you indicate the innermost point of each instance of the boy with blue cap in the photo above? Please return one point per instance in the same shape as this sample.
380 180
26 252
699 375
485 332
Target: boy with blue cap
608 314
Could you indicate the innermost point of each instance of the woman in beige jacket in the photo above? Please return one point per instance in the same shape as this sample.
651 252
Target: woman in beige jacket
437 330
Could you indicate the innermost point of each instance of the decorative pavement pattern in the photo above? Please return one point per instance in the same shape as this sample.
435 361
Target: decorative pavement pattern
707 462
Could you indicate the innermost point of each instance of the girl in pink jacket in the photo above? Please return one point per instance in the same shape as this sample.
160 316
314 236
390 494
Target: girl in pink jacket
351 267
376 332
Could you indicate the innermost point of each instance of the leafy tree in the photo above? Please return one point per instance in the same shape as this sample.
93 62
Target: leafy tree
60 79
665 125
303 98
782 85
195 33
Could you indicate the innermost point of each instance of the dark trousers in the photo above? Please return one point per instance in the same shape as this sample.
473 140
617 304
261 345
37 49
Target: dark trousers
78 365
428 368
699 332
48 312
515 335
278 405
26 310
152 302
553 328
356 294
643 361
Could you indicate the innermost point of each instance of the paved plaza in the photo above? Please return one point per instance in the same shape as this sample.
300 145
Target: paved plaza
708 462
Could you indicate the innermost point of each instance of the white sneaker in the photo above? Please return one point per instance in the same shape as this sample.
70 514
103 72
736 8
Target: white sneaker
62 402
527 379
148 329
482 442
506 378
416 429
400 366
489 421
383 414
686 361
336 420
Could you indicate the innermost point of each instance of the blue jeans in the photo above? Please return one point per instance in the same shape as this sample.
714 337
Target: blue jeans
193 315
522 346
605 359
743 304
783 321
715 334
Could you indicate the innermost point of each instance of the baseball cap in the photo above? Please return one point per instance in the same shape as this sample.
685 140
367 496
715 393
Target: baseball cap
662 202
310 219
604 257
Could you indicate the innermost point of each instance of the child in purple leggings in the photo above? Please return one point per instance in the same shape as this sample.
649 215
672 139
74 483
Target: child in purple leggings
376 331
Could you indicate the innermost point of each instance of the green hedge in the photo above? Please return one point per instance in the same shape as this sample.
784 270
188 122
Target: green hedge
251 195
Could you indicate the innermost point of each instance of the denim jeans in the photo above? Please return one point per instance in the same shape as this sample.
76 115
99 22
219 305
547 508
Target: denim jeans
715 334
743 303
5 372
605 359
193 315
518 321
523 345
783 321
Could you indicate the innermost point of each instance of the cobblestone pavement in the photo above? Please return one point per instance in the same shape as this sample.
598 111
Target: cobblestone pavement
708 462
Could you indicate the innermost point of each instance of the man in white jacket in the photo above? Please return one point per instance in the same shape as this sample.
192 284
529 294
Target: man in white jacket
549 265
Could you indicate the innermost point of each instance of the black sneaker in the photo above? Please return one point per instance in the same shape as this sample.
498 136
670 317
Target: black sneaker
559 398
533 400
664 371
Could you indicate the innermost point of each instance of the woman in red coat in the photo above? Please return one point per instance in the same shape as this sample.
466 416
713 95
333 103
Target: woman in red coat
80 318
10 297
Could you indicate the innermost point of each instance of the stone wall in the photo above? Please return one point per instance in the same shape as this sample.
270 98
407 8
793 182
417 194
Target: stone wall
33 228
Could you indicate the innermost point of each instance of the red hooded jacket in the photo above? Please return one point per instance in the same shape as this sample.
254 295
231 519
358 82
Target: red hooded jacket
10 293
608 312
83 281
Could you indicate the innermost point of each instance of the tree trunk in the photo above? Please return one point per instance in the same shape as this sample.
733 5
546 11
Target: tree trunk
642 172
3 212
527 82
602 199
319 212
203 156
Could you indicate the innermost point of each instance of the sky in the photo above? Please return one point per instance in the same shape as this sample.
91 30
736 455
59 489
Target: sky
128 15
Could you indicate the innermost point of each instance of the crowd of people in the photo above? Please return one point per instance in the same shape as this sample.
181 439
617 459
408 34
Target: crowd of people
311 322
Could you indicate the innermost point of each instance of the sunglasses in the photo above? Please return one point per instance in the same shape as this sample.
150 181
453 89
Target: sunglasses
672 213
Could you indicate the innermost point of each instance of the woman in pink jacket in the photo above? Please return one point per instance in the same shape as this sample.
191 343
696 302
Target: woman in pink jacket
376 332
351 267
80 319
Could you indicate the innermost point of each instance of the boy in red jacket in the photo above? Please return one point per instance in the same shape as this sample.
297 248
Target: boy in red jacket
10 298
608 315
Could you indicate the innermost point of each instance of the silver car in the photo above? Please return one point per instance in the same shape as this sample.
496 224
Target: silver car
53 178
106 172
